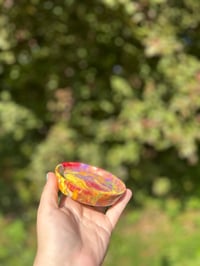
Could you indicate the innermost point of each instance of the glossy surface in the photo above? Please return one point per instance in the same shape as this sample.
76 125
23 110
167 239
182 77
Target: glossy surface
88 184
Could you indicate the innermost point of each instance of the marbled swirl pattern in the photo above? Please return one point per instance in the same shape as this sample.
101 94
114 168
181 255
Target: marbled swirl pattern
88 184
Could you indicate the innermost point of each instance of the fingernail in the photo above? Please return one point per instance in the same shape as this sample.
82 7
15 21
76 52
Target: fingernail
46 176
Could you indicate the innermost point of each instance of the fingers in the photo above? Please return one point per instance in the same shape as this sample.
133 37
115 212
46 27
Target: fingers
67 202
49 197
114 212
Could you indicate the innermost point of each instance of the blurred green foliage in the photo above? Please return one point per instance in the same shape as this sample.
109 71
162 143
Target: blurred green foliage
154 238
111 83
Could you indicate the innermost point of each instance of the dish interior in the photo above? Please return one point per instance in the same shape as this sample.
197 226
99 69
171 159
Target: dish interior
86 175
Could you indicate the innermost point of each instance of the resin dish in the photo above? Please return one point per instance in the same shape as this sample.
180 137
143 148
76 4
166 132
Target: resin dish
88 184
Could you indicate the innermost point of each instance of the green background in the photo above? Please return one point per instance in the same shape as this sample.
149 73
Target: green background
112 83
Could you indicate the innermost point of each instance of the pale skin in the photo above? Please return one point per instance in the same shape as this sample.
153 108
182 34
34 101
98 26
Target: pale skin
70 233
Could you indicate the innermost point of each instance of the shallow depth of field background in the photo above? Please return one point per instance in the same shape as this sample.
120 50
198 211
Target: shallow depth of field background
112 83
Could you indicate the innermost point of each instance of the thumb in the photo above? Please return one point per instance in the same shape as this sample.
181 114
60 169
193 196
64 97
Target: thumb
49 196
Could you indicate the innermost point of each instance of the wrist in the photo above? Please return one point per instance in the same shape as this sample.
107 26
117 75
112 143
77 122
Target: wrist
43 259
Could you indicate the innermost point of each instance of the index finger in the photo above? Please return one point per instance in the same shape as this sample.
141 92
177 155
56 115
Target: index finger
114 212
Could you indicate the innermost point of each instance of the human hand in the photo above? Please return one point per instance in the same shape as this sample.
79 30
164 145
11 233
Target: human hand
69 233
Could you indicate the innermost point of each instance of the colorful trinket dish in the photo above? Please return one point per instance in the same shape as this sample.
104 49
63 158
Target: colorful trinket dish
88 184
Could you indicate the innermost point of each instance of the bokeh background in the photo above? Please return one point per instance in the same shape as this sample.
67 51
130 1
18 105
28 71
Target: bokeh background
116 84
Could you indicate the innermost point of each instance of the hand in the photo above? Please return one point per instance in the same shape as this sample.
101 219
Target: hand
69 233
